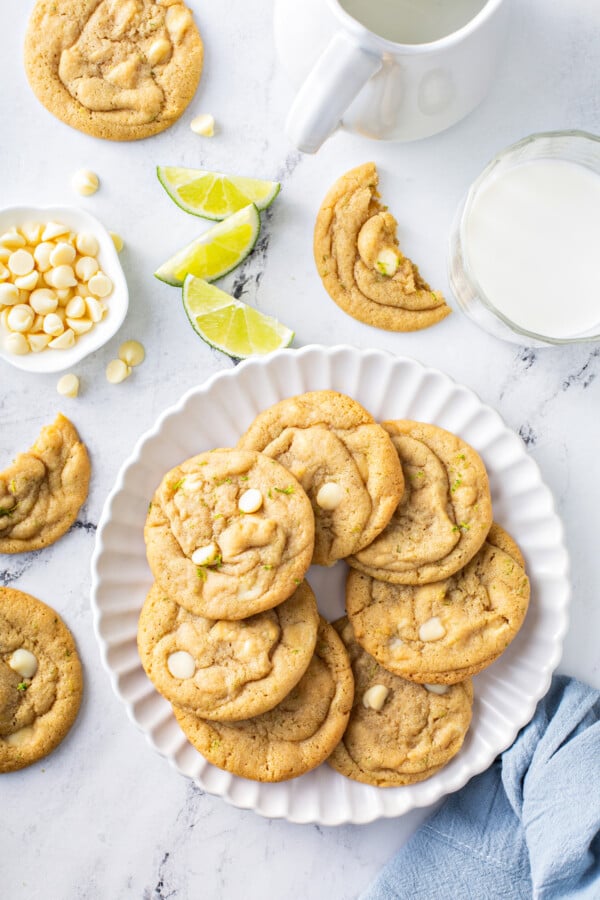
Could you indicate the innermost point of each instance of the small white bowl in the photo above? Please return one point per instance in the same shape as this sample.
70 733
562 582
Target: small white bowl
118 301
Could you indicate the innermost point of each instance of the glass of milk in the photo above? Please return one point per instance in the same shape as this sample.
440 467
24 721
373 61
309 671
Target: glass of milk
525 246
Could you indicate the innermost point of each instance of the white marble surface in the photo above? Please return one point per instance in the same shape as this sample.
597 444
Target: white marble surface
104 817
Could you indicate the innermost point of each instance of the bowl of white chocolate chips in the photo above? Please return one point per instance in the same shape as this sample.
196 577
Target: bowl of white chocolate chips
63 293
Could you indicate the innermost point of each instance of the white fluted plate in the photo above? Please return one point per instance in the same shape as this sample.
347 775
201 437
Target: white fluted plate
214 415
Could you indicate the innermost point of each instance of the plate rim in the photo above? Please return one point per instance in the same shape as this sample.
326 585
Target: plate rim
527 710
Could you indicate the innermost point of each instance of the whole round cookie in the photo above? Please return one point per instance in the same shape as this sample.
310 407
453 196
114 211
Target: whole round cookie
360 263
229 533
227 670
343 459
444 515
296 736
40 680
399 733
440 633
115 69
42 491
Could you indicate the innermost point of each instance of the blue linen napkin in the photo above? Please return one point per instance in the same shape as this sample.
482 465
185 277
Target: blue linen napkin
528 827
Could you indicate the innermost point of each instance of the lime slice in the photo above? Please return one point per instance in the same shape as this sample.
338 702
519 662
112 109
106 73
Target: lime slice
213 195
217 251
230 325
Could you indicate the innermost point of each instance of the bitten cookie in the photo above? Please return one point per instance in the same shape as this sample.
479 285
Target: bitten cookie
115 69
40 680
297 735
229 533
440 633
343 459
444 515
43 490
360 263
227 670
399 733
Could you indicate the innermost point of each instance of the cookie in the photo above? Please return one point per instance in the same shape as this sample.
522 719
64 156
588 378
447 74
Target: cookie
399 733
297 735
227 670
360 263
40 680
42 491
440 633
229 533
445 512
343 459
115 69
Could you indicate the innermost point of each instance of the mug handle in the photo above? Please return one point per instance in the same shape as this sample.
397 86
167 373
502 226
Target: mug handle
335 80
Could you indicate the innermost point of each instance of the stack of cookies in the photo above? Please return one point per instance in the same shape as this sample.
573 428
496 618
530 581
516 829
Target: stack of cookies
230 632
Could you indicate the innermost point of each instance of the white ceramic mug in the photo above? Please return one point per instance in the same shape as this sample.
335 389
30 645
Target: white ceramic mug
384 90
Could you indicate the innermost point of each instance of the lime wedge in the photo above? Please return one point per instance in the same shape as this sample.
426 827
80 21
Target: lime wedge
217 251
213 195
230 325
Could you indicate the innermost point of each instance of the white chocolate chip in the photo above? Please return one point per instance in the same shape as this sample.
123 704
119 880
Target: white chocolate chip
159 52
20 737
100 285
53 324
24 663
31 231
117 371
206 556
62 254
64 341
177 19
82 291
395 643
329 496
387 262
181 664
132 353
432 630
85 267
64 295
43 301
79 326
20 317
94 308
27 282
375 697
250 501
54 230
21 262
437 688
38 342
12 239
41 254
192 484
87 244
16 343
76 308
117 241
38 325
9 295
4 272
203 125
61 277
68 385
85 182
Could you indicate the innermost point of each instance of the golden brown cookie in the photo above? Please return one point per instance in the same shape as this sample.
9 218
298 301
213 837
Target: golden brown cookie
115 69
42 491
229 533
343 459
360 263
445 512
297 735
399 733
227 670
440 633
40 680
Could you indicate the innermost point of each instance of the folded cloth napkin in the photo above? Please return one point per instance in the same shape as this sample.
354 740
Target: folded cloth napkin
528 827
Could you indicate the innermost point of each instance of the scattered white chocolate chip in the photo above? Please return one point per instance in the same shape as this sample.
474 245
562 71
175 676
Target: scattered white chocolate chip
43 301
206 556
12 239
41 254
24 663
329 496
85 267
375 697
62 254
117 241
117 371
87 244
94 308
132 353
61 277
27 282
64 341
54 230
437 688
387 262
31 231
250 501
21 262
76 308
20 317
53 324
16 343
203 125
432 630
85 182
9 295
100 285
181 664
38 342
68 385
79 326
